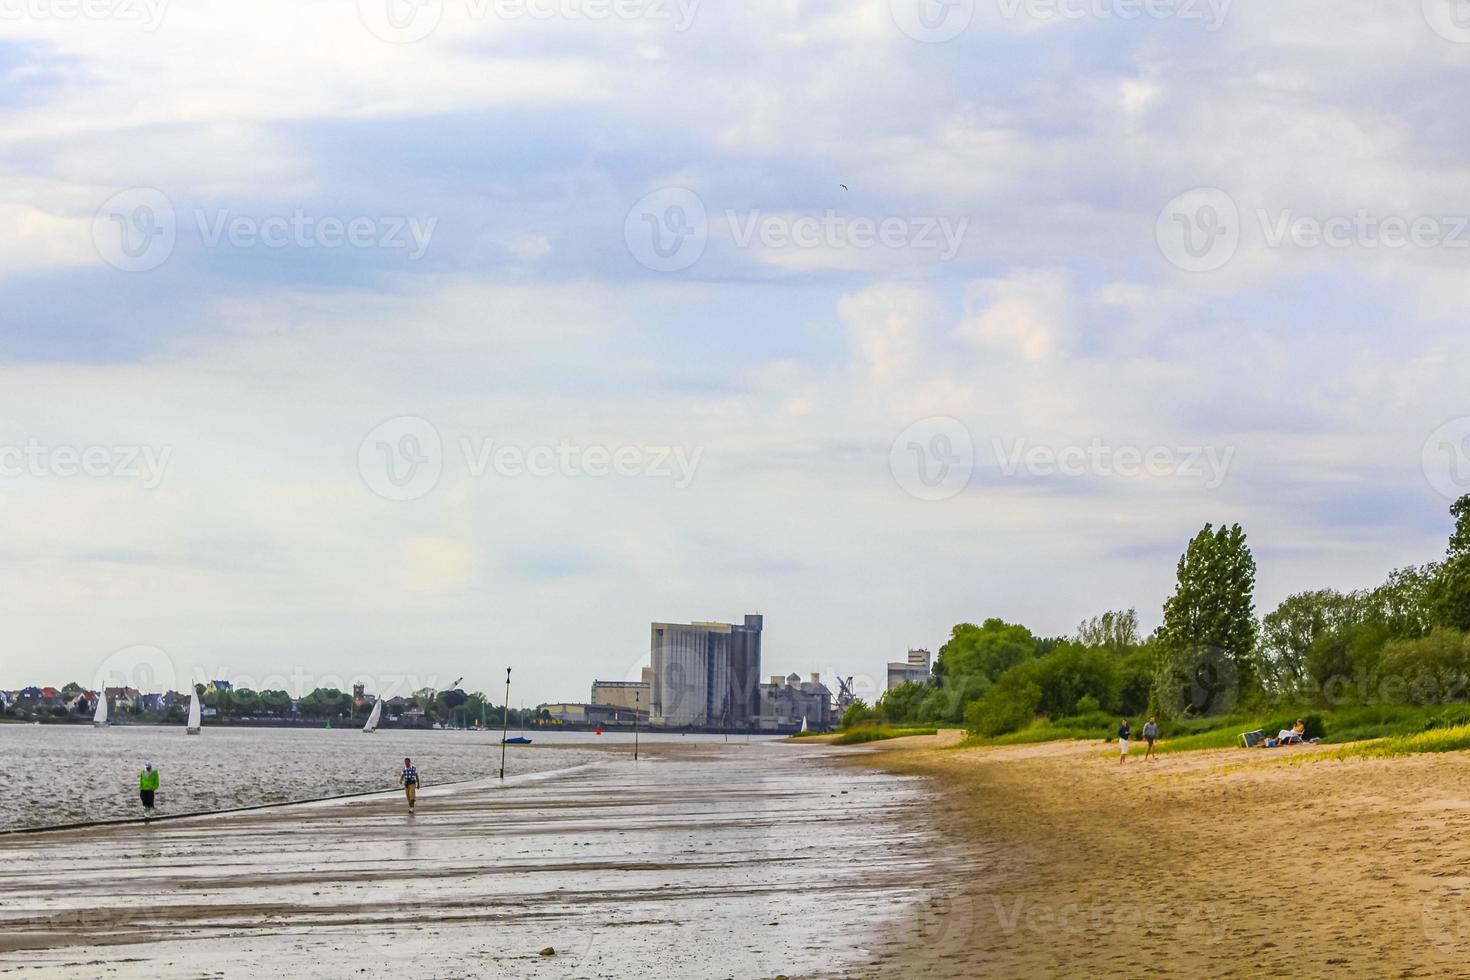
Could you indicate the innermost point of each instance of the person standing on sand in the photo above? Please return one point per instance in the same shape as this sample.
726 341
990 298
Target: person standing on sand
408 778
1123 742
147 786
1150 735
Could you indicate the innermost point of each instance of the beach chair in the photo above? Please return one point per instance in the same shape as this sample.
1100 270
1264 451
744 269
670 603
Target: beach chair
1250 740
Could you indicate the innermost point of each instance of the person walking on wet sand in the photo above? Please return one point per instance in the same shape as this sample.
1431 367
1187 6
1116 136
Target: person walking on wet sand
408 778
1123 742
147 786
1151 735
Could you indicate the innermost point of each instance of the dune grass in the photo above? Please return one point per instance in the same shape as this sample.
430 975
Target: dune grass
878 733
1452 739
1405 728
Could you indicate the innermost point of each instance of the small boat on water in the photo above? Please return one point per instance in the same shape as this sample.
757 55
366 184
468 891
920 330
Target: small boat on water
803 724
520 739
99 718
195 723
372 722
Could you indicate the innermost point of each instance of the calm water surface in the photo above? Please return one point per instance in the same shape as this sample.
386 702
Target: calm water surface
66 773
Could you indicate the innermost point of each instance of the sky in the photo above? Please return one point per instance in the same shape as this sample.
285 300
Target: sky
404 341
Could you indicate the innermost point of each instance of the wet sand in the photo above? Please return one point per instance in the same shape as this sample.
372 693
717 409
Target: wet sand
741 860
1205 864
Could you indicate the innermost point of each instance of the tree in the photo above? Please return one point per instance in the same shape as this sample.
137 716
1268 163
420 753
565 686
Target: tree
1208 639
988 650
1289 631
1450 601
902 703
1117 631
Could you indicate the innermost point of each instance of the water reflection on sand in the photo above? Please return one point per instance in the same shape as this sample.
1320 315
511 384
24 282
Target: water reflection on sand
708 860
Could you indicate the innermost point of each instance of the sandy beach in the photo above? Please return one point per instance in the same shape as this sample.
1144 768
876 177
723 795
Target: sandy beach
1220 864
701 860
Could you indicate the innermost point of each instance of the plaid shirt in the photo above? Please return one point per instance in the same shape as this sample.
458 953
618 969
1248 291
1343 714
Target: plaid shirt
410 775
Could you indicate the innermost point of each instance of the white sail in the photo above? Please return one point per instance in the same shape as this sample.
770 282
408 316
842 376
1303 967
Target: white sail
803 723
100 718
193 726
372 722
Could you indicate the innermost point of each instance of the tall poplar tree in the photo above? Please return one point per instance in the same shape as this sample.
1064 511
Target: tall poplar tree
1208 639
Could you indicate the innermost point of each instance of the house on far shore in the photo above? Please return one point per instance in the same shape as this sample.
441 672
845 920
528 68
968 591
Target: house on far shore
217 687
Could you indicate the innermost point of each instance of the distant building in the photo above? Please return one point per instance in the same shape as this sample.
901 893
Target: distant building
788 701
706 675
591 714
218 687
357 694
915 671
625 694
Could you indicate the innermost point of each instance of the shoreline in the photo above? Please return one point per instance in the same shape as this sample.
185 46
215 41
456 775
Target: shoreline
1211 863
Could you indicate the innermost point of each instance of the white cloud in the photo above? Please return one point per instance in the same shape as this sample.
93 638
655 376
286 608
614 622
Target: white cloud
1027 315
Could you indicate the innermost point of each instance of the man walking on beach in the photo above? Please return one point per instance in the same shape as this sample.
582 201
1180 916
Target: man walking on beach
147 786
1123 742
1150 735
408 778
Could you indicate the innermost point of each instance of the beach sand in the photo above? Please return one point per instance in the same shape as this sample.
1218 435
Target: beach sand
701 860
1218 864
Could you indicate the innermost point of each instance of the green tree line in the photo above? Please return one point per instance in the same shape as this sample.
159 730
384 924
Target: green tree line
1407 641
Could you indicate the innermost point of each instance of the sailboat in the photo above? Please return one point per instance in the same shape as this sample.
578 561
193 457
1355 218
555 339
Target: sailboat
803 724
194 725
372 722
520 739
99 720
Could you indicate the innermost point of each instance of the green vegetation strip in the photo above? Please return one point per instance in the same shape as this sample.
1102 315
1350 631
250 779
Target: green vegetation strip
857 736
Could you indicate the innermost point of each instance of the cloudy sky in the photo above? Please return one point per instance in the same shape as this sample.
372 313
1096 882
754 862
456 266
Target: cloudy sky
408 342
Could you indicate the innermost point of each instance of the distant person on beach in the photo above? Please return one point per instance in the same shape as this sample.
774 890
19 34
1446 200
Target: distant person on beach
408 778
1150 735
1123 742
1294 735
147 786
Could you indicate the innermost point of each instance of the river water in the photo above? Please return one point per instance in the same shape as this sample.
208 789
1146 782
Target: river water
704 859
59 774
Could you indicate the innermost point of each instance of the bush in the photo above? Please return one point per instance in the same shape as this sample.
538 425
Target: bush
1432 668
1087 705
1006 707
858 713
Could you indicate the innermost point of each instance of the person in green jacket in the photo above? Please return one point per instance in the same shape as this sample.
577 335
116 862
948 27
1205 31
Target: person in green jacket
147 786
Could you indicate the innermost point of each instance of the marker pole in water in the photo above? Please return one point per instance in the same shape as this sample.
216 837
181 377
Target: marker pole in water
504 722
637 697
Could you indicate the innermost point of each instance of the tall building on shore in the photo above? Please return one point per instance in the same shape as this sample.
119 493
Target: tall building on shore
625 694
916 671
706 675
